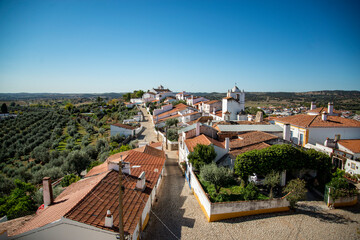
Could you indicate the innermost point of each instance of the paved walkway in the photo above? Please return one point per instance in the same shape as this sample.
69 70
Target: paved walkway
148 134
178 209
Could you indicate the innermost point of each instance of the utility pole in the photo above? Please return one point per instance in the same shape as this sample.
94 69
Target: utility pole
121 224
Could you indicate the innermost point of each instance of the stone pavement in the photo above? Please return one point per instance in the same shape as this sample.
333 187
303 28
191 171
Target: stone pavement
182 218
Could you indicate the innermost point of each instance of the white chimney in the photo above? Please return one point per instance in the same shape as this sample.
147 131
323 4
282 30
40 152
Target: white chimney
214 110
324 116
126 168
312 106
286 132
109 222
197 129
250 118
47 192
141 182
227 144
330 108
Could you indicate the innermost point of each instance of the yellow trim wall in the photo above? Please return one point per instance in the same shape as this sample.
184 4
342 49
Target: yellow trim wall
202 207
217 217
146 220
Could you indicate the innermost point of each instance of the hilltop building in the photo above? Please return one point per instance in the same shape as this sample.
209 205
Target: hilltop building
233 105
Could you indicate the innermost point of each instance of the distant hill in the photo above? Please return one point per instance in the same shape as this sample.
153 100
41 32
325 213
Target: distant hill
54 96
349 100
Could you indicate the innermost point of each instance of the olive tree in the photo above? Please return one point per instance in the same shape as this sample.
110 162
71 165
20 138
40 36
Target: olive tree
219 176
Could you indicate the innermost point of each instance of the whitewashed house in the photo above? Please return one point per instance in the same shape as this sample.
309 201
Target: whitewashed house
122 129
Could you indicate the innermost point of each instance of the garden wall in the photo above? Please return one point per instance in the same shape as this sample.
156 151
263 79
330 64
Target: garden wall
225 210
171 145
341 202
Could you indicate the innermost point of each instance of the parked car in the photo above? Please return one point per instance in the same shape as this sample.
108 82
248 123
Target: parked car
257 179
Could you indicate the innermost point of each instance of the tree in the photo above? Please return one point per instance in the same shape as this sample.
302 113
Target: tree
127 97
219 176
280 158
78 161
271 180
202 155
69 106
4 108
69 179
295 191
20 201
340 187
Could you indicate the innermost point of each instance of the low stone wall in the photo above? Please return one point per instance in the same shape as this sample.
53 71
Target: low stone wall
225 210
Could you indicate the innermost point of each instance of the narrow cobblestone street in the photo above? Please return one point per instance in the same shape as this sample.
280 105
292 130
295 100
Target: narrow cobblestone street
178 209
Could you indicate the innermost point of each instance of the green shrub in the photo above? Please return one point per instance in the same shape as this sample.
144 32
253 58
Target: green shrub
69 179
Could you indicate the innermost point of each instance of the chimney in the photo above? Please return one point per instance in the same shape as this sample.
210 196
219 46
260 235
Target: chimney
141 183
250 118
126 168
47 192
259 116
286 132
227 144
326 143
109 222
214 110
337 137
312 106
330 108
324 116
197 129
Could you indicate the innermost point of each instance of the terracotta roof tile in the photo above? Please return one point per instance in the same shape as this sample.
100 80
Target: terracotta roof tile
88 200
71 196
202 139
212 102
351 144
321 109
256 146
250 138
306 121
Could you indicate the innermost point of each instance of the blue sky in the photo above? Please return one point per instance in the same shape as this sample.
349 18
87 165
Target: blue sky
117 46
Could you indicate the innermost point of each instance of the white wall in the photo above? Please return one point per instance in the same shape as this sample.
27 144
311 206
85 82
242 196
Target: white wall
118 130
243 206
352 166
195 185
162 109
319 135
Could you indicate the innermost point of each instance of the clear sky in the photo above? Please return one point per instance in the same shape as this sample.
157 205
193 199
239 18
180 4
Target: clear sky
116 46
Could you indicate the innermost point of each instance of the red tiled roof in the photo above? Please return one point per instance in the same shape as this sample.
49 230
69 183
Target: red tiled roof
124 126
177 108
256 146
212 101
167 118
88 200
63 203
250 138
306 121
188 114
351 144
202 139
91 210
322 109
198 103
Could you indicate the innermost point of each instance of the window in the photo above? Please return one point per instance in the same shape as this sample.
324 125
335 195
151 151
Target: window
301 139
